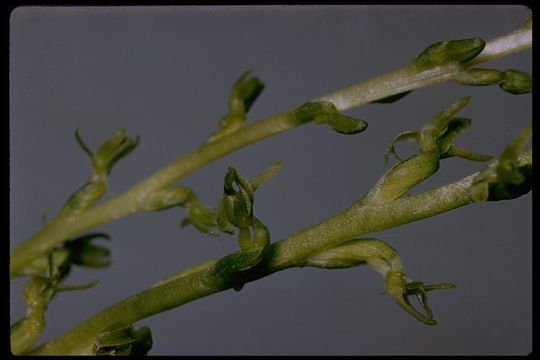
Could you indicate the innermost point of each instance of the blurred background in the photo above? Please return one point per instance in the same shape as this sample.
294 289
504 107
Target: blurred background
165 73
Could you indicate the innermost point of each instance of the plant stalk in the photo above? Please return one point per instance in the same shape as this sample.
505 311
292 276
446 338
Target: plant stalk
407 78
293 251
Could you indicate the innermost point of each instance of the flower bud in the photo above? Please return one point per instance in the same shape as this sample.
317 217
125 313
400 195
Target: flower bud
456 50
516 82
342 124
465 49
325 112
244 92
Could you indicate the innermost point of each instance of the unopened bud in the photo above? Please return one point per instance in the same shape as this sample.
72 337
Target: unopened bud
342 124
516 82
465 49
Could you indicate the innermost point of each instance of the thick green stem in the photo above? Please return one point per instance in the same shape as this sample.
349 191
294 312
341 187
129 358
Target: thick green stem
399 81
362 217
293 251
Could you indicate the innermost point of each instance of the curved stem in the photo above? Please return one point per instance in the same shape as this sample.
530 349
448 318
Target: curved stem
396 82
293 251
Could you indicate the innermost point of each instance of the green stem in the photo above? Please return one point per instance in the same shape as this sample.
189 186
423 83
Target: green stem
200 281
132 200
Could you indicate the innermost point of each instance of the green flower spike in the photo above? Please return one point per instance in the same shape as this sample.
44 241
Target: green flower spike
384 259
510 176
122 339
244 93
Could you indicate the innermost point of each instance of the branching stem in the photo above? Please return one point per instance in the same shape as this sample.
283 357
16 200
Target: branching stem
131 201
293 251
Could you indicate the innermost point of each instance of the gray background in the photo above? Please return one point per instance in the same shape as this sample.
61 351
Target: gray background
165 73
